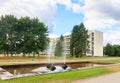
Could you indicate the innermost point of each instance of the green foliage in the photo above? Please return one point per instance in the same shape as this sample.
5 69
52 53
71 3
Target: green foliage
79 43
59 46
24 35
112 50
32 35
7 30
116 50
109 50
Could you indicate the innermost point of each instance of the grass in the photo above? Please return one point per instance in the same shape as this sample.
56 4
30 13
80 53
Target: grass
117 60
98 59
65 77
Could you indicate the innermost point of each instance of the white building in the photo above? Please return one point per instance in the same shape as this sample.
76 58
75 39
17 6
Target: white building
96 43
95 39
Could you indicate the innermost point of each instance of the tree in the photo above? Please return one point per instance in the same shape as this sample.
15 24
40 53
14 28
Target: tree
79 43
116 50
112 50
109 50
24 35
7 30
59 46
39 31
32 35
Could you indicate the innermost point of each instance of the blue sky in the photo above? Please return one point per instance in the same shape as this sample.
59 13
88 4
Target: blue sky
65 20
61 15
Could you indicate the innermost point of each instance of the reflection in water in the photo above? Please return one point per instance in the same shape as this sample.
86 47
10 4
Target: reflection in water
20 69
16 70
74 66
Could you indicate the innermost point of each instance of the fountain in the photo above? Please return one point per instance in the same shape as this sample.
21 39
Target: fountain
64 66
50 54
49 51
51 67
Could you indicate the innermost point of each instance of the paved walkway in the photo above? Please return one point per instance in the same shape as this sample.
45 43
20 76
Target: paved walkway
109 78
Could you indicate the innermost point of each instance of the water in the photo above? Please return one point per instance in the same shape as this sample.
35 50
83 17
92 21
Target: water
49 51
42 69
64 53
16 70
46 70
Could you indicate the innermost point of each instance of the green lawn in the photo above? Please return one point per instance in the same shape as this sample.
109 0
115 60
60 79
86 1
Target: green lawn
65 77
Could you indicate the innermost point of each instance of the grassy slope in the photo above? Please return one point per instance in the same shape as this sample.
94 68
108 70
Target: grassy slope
65 77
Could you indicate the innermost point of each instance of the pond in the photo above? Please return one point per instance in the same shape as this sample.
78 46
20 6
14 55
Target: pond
28 68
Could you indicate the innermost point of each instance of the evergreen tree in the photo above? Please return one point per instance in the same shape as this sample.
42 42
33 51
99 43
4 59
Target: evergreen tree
79 43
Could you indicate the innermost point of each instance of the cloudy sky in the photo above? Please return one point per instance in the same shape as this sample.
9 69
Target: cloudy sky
61 15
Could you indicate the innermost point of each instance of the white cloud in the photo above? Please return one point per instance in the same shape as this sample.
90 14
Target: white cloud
76 8
53 36
98 14
101 14
112 37
67 3
67 33
81 1
45 10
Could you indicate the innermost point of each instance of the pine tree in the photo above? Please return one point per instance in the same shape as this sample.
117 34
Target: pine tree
79 43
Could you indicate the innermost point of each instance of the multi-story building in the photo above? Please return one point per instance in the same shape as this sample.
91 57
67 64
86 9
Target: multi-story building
95 43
